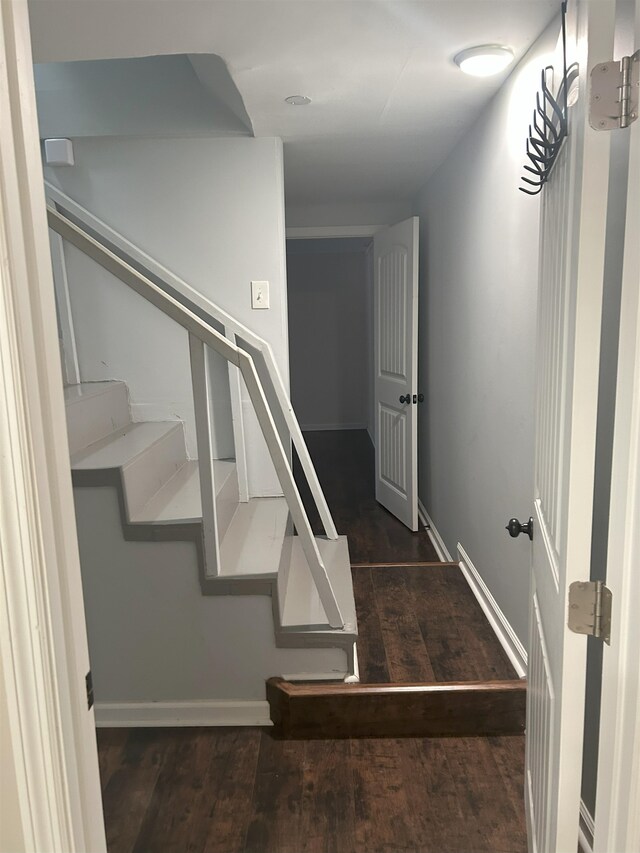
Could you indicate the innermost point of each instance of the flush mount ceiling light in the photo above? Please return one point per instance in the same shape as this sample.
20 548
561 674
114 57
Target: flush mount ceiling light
485 60
297 100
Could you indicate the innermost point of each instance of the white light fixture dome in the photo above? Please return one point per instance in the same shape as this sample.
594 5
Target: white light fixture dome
485 60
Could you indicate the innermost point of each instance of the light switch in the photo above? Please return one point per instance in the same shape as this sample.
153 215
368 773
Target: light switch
259 294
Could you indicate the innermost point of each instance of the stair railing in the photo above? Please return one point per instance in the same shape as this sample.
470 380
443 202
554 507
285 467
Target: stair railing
198 315
260 350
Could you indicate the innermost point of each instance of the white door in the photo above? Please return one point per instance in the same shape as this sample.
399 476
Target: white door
617 815
395 259
572 243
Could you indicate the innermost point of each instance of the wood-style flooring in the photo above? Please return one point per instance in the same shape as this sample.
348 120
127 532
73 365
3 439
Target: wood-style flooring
420 628
242 791
216 790
344 460
423 623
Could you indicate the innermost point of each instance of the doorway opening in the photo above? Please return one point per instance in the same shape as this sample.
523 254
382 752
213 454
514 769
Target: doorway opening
330 287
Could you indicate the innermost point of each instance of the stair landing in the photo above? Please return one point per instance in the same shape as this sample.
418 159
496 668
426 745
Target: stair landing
430 665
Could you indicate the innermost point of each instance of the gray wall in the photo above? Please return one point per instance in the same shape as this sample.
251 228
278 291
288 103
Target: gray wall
154 637
212 211
478 292
329 333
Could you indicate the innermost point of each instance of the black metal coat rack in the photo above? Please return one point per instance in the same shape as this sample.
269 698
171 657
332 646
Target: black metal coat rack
549 128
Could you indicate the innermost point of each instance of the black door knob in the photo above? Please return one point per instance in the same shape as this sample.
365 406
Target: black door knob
405 398
418 398
516 527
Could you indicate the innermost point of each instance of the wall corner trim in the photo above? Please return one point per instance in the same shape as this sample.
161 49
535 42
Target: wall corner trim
207 712
508 638
586 829
437 541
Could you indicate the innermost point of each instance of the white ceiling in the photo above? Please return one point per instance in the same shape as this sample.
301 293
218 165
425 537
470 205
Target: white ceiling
387 100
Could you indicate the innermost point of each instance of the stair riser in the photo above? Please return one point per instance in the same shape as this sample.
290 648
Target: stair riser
300 605
150 470
226 503
352 711
254 540
95 416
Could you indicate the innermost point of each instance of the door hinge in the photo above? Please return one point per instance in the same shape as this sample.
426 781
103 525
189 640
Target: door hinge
615 87
590 609
88 680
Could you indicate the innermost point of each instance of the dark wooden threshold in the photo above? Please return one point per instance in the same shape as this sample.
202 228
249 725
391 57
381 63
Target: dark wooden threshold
444 709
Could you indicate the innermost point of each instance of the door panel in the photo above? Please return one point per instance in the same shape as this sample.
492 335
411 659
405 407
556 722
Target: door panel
396 369
617 825
572 251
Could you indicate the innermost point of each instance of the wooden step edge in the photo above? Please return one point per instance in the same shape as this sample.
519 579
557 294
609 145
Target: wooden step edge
436 709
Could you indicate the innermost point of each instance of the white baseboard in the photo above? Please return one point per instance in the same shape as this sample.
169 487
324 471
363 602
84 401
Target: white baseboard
328 427
508 638
586 829
203 713
314 676
438 542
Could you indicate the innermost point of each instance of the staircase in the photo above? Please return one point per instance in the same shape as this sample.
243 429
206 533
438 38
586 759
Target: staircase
195 589
158 498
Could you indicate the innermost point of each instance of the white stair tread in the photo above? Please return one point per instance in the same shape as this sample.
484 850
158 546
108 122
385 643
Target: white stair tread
253 543
122 446
301 606
75 393
179 499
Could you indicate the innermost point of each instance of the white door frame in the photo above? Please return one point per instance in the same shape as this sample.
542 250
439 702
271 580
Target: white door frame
43 640
617 817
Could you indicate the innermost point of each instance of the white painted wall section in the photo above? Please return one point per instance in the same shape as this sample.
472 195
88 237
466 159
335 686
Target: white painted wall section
479 275
212 211
144 605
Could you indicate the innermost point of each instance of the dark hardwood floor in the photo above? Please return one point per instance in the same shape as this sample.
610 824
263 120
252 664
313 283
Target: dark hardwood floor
345 464
420 629
216 790
242 791
423 623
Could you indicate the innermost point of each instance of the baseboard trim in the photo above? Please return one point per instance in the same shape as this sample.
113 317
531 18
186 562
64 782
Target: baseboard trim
508 638
437 541
329 427
586 829
162 714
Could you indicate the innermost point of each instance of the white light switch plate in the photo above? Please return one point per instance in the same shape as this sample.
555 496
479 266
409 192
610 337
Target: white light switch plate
259 294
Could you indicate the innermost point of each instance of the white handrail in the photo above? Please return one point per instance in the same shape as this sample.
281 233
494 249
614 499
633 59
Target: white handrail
202 330
245 338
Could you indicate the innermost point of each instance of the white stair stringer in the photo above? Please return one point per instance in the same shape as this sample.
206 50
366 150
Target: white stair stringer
158 497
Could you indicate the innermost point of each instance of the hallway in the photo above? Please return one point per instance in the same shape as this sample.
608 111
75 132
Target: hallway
344 460
242 790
